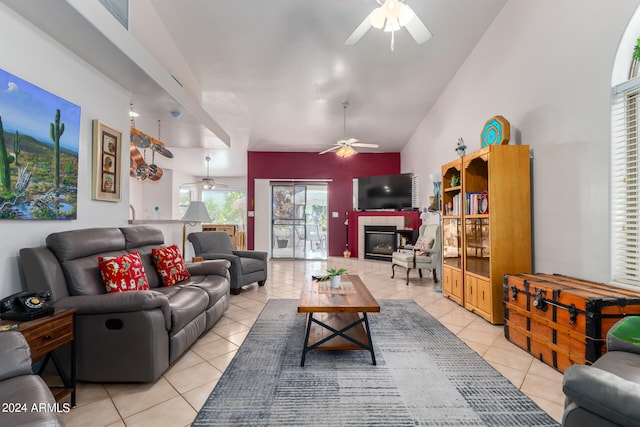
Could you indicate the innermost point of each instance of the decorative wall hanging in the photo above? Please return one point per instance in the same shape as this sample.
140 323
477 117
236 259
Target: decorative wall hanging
495 132
39 140
107 155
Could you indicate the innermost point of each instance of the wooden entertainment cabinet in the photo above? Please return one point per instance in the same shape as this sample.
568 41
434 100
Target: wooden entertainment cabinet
486 226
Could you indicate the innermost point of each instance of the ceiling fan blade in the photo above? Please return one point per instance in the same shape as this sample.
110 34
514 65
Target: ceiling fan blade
364 144
416 27
359 31
351 141
377 18
330 149
217 184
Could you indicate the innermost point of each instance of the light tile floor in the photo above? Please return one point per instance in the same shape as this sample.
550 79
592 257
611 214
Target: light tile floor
175 398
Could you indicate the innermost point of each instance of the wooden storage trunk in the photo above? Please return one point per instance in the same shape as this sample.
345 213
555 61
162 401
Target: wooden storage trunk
562 320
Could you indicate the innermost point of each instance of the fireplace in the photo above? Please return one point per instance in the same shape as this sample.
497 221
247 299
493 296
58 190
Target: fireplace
379 242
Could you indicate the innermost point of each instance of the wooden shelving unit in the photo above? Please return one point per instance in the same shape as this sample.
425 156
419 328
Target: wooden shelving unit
495 226
452 285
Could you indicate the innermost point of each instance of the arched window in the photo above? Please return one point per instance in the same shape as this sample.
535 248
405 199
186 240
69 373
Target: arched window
625 161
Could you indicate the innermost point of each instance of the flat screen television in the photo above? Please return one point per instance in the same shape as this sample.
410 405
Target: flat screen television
385 192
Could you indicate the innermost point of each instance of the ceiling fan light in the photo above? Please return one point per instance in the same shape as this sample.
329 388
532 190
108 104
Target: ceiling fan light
346 151
392 25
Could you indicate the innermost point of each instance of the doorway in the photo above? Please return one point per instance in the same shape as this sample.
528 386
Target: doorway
299 220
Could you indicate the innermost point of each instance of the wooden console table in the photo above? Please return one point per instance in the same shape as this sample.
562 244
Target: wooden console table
44 336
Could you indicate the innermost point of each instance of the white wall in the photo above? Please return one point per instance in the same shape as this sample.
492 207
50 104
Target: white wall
545 65
33 56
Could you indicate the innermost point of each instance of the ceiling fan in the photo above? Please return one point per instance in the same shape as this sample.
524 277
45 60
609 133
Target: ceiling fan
392 15
207 182
345 145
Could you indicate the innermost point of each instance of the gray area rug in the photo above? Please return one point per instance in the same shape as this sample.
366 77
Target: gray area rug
425 376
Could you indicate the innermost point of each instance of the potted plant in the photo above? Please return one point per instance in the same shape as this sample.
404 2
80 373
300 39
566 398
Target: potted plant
334 276
282 236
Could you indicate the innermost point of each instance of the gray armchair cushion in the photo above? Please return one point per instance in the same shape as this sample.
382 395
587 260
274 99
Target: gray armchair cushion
211 241
252 254
28 390
603 393
621 363
246 266
14 354
19 385
251 265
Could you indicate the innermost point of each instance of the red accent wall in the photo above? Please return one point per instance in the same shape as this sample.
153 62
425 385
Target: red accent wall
301 166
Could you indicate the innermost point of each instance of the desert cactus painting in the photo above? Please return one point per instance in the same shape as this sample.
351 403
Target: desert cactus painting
39 140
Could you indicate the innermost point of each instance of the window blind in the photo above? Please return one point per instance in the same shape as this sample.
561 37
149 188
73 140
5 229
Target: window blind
625 203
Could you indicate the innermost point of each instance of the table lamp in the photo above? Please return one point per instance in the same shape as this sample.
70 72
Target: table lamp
196 212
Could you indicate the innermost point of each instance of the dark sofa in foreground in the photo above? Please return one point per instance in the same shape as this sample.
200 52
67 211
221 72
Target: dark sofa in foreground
607 393
25 397
125 336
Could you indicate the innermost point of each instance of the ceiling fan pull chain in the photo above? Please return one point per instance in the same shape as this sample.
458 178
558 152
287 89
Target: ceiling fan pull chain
393 41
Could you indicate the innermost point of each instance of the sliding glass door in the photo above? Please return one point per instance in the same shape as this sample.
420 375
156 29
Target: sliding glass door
299 221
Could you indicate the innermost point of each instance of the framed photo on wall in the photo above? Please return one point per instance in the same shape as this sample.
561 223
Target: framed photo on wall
107 155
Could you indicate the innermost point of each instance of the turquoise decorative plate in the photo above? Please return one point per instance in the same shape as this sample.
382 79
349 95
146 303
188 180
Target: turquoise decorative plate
496 131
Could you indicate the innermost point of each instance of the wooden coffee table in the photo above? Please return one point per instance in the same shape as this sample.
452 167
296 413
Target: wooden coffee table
337 318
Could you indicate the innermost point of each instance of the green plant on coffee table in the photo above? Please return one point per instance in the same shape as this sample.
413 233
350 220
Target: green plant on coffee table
331 272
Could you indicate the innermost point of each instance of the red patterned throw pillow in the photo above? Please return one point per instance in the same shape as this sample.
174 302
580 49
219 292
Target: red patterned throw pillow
123 273
170 265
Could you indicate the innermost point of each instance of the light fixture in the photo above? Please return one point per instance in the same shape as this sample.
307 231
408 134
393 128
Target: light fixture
196 212
346 151
391 16
132 113
434 204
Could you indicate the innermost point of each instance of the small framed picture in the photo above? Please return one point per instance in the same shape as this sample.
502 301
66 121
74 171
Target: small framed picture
107 155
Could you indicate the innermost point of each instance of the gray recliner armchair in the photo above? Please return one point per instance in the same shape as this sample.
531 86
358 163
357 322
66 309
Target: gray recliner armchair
607 393
246 266
19 386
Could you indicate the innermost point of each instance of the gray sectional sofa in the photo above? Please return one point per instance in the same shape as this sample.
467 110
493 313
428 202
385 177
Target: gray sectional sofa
125 336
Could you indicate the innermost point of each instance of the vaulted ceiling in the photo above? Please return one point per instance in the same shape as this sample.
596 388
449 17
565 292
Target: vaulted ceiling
273 74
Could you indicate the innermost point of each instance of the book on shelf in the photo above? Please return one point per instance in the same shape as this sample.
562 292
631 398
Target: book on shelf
476 203
453 207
